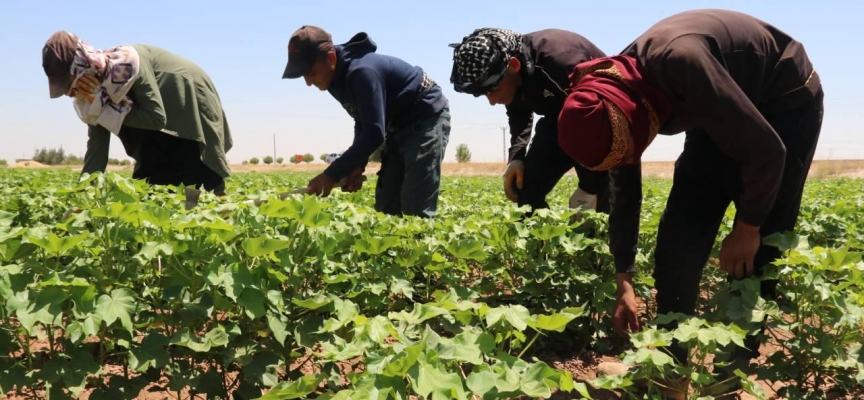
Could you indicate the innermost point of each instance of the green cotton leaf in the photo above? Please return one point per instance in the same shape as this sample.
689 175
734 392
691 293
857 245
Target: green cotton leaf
553 322
118 306
378 329
253 301
6 219
468 346
785 241
403 361
297 389
547 232
467 249
312 303
752 388
151 249
644 356
54 244
217 337
313 214
516 315
481 381
375 245
257 247
421 313
402 286
651 338
580 387
279 327
116 210
152 353
539 380
428 380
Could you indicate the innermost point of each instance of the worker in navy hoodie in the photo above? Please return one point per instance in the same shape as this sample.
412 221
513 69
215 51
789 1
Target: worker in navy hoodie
393 104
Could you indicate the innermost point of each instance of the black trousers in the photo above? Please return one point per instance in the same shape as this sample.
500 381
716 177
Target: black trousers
163 159
546 164
704 184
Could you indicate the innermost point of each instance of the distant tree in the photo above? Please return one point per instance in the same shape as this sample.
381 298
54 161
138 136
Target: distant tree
245 162
3 163
254 161
72 159
125 162
113 161
268 160
308 157
280 160
376 155
324 157
297 159
463 155
49 156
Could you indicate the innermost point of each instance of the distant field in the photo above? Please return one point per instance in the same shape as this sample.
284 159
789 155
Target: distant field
658 169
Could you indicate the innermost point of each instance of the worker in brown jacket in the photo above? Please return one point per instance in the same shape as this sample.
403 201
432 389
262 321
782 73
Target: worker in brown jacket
750 102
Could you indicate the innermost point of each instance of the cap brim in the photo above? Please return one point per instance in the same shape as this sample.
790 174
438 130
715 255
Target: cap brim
296 69
57 87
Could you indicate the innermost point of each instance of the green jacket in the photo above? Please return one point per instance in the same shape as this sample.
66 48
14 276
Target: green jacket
176 97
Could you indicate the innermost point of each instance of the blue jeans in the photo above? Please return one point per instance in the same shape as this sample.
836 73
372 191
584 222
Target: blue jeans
410 175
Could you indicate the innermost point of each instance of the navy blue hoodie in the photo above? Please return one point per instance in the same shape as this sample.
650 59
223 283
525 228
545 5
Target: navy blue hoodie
376 90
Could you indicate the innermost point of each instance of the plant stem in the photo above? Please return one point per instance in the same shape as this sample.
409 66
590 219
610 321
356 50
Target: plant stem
529 345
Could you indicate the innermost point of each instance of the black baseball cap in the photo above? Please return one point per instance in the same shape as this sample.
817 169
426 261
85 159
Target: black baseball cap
306 45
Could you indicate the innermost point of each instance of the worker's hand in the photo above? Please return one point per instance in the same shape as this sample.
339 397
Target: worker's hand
739 250
354 180
320 185
515 170
85 88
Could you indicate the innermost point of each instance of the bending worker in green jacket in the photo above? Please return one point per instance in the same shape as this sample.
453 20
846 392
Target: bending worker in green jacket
163 107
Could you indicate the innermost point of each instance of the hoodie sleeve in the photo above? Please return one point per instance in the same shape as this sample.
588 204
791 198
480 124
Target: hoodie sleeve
366 87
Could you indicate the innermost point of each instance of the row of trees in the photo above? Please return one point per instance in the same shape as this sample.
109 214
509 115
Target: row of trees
295 159
59 157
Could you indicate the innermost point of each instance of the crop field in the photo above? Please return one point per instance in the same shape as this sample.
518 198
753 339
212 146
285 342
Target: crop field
135 297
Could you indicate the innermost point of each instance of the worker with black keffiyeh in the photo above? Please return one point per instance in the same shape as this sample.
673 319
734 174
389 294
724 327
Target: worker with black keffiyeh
528 74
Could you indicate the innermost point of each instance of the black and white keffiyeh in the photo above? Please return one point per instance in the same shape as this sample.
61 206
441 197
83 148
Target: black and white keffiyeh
480 61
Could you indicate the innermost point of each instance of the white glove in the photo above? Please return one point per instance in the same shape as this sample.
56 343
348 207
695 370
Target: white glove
516 169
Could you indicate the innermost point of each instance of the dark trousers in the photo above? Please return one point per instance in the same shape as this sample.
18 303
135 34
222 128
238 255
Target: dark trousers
546 164
409 180
163 159
704 184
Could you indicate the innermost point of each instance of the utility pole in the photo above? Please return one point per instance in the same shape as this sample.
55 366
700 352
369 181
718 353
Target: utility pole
274 147
504 142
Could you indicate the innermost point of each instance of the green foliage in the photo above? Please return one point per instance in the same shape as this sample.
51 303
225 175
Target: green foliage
278 300
323 157
254 161
280 160
308 158
268 160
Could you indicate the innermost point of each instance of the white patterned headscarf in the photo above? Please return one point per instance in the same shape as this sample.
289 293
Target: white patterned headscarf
117 69
480 61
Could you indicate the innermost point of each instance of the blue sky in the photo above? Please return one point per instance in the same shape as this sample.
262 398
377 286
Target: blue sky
242 46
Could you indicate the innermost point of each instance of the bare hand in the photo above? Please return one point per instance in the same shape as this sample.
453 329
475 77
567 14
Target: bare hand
354 181
626 314
320 185
739 249
516 169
